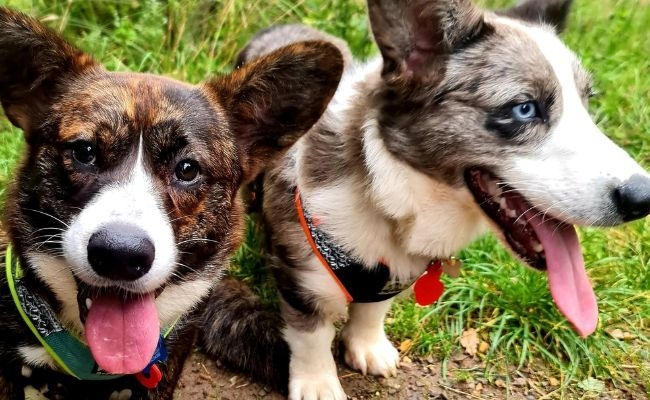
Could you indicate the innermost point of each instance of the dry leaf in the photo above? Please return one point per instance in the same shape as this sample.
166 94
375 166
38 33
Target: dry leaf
470 341
520 381
621 335
483 347
592 385
452 267
628 336
616 333
500 383
553 382
405 345
477 389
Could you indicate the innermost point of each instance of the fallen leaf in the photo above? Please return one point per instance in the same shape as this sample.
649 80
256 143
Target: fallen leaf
592 385
500 383
483 347
452 267
621 335
405 345
470 341
520 381
477 389
553 382
628 336
616 333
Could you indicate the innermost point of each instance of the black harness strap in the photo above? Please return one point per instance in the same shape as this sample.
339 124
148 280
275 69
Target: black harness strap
359 283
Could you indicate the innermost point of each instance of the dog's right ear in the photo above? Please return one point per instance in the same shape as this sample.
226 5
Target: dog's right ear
35 62
274 100
416 37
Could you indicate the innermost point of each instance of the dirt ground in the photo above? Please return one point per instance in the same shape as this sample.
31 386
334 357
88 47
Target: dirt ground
416 379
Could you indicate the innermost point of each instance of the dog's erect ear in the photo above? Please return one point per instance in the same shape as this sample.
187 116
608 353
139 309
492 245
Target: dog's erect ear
274 100
34 63
552 12
416 36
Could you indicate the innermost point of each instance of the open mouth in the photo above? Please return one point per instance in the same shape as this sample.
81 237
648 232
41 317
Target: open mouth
541 241
122 329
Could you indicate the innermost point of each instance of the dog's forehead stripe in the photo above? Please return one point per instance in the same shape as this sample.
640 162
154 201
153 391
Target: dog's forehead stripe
506 67
565 65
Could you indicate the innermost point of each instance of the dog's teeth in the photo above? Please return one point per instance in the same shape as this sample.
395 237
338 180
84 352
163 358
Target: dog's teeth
537 246
89 303
26 371
492 187
503 204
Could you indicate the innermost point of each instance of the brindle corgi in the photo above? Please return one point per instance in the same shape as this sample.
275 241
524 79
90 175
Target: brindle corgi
125 208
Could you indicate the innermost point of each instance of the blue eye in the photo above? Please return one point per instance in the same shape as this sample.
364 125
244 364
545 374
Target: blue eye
525 112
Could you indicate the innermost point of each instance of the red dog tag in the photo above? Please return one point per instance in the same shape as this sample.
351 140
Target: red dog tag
428 288
151 381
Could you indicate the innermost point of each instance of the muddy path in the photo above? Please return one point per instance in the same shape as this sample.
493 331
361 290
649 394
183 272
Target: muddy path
416 379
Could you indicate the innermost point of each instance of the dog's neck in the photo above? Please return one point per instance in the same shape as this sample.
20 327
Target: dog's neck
373 204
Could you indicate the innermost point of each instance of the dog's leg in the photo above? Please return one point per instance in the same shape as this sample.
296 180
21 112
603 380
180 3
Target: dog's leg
312 369
366 347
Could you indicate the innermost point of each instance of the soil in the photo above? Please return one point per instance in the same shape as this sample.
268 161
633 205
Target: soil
417 379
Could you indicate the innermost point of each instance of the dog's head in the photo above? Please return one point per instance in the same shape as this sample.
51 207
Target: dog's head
494 106
125 208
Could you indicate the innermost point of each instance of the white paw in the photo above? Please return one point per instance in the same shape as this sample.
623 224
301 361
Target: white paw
371 354
33 394
121 395
322 386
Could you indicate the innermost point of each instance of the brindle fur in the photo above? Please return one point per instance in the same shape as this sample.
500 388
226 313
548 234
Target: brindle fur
233 125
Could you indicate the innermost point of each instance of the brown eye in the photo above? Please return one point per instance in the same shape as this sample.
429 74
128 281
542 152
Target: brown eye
83 152
187 171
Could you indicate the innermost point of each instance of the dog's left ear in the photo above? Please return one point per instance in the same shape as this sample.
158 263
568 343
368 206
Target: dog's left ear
416 37
551 12
35 64
274 100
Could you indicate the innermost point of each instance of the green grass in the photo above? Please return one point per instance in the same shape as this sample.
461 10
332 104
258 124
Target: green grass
509 305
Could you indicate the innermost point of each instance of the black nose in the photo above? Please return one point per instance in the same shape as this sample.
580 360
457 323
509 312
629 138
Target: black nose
633 198
120 252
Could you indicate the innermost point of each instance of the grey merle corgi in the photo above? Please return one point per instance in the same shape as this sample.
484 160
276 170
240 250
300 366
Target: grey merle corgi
470 121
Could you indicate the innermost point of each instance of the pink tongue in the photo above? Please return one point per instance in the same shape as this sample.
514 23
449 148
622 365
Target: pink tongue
567 278
122 334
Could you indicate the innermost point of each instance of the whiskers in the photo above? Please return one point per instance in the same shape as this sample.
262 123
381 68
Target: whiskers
200 240
48 215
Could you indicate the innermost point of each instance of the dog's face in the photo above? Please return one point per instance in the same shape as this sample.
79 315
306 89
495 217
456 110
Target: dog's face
126 206
495 107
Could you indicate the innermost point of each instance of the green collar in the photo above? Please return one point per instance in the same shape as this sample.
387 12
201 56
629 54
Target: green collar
70 352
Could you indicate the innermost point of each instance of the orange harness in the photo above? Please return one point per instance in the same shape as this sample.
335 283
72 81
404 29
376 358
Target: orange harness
359 283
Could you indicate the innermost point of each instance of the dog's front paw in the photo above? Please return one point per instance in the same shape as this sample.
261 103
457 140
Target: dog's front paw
316 387
371 354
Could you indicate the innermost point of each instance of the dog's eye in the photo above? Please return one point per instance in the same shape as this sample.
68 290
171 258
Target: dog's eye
187 170
525 112
83 152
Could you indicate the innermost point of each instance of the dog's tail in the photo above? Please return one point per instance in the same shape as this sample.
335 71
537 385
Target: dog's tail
245 335
270 39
